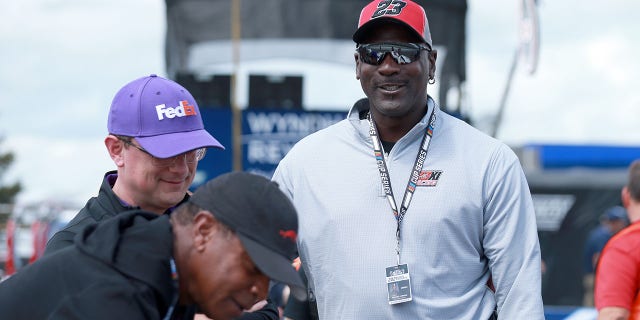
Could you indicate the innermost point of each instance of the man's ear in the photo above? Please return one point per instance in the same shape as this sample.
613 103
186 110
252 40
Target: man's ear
433 56
115 147
204 227
626 197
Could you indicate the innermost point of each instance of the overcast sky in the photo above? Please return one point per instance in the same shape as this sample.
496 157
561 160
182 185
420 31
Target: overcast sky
63 60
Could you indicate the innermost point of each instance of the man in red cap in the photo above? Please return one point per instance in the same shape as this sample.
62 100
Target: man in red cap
405 211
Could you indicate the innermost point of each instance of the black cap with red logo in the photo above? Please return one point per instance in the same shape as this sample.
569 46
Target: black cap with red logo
262 217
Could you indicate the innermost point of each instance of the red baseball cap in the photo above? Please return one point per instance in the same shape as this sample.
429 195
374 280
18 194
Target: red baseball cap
404 12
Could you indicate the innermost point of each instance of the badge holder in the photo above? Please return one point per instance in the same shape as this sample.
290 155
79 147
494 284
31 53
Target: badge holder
399 284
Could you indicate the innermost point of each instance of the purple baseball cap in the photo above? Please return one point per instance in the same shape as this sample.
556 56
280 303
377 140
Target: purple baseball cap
162 115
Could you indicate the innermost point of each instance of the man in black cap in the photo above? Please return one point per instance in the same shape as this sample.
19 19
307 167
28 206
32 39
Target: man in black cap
217 251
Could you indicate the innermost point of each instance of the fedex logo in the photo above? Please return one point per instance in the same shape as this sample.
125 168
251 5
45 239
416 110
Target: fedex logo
183 110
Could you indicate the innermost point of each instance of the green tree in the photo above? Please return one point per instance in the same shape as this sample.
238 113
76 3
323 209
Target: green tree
8 192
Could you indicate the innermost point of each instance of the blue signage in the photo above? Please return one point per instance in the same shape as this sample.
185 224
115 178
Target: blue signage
561 156
267 135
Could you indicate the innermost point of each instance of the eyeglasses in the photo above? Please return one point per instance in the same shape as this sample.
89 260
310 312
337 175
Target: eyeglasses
190 157
402 53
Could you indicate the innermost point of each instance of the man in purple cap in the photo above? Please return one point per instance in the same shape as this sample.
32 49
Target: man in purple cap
401 195
156 138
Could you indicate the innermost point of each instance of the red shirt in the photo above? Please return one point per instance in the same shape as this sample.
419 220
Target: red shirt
618 272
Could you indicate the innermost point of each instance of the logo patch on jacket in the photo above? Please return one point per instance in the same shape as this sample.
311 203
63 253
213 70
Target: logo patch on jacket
428 178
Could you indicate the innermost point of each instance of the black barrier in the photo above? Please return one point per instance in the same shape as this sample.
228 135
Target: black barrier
568 205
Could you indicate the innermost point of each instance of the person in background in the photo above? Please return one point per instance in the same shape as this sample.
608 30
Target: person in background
401 192
612 220
156 138
217 252
617 287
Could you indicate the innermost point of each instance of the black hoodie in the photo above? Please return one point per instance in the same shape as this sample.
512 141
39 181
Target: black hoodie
118 269
105 206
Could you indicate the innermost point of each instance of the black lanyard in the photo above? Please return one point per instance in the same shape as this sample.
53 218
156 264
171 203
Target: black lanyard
413 178
176 292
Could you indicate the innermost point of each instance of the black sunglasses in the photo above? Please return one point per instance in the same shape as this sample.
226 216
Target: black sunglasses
402 53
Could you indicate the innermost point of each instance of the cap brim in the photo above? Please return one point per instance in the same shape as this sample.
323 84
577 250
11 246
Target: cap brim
173 144
275 266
